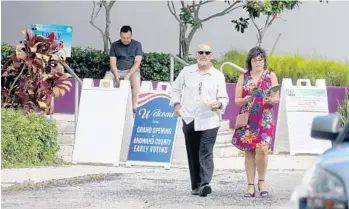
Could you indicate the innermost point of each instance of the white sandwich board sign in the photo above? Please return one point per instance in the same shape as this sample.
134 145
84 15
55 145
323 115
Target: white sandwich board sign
104 122
299 104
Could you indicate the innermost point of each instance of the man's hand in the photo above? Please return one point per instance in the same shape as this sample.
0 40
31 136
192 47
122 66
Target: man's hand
177 110
215 106
117 77
127 77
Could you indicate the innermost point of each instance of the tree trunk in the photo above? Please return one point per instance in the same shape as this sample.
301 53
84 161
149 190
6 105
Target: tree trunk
260 37
188 40
106 44
179 41
106 36
182 38
186 45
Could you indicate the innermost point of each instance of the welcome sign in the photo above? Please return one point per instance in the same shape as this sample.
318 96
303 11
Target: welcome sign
154 131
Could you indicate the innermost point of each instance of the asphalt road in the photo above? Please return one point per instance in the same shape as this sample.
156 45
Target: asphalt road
158 189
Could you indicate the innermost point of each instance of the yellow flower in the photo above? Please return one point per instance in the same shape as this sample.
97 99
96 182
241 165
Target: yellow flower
249 137
262 123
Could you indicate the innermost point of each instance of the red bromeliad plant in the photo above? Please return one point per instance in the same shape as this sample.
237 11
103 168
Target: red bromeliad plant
34 75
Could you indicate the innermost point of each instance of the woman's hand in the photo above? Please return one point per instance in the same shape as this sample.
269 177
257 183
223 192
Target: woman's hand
247 99
269 100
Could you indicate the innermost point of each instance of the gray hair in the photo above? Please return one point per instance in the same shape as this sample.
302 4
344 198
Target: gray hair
255 52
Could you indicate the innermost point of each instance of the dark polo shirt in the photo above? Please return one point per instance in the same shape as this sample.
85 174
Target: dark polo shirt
125 54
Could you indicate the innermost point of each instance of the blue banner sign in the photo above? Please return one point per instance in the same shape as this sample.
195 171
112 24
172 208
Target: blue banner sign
154 129
63 34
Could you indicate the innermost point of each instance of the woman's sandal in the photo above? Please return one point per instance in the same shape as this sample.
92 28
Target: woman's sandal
248 194
262 193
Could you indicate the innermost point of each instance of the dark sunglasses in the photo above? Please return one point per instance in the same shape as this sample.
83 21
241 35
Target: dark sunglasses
202 52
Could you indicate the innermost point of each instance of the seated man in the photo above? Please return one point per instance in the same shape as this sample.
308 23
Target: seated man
125 60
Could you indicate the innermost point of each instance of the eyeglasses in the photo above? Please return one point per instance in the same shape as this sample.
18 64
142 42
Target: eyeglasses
204 52
257 60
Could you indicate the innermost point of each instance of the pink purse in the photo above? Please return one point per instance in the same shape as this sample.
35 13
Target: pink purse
242 119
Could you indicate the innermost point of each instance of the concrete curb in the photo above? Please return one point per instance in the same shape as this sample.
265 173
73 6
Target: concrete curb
11 177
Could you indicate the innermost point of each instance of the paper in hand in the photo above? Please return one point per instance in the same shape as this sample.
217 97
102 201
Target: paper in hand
274 89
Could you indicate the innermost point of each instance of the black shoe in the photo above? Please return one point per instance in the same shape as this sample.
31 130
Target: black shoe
195 191
205 190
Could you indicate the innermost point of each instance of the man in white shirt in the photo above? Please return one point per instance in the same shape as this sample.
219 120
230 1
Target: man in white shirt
203 101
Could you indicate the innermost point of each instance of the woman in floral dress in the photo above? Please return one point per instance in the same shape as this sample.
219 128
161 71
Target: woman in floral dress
256 137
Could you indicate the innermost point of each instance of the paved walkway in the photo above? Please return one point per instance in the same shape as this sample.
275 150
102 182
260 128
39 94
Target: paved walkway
35 175
160 189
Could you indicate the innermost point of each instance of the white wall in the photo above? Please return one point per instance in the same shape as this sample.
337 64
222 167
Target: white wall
315 29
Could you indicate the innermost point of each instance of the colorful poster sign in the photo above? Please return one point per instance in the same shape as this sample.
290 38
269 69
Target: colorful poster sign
154 130
63 34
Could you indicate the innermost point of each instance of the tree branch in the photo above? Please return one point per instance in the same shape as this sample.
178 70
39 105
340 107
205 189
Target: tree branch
260 31
224 12
91 21
195 10
173 10
182 3
271 21
15 81
255 24
191 34
196 13
100 30
266 21
269 24
111 4
202 3
93 10
105 4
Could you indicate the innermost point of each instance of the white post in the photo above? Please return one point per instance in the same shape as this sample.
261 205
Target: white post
76 104
171 69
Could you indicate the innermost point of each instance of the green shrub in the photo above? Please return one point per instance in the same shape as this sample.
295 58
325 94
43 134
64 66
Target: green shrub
343 109
6 51
28 140
156 66
294 67
88 62
92 63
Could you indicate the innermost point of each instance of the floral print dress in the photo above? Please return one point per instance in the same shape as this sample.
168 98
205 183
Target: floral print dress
259 130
